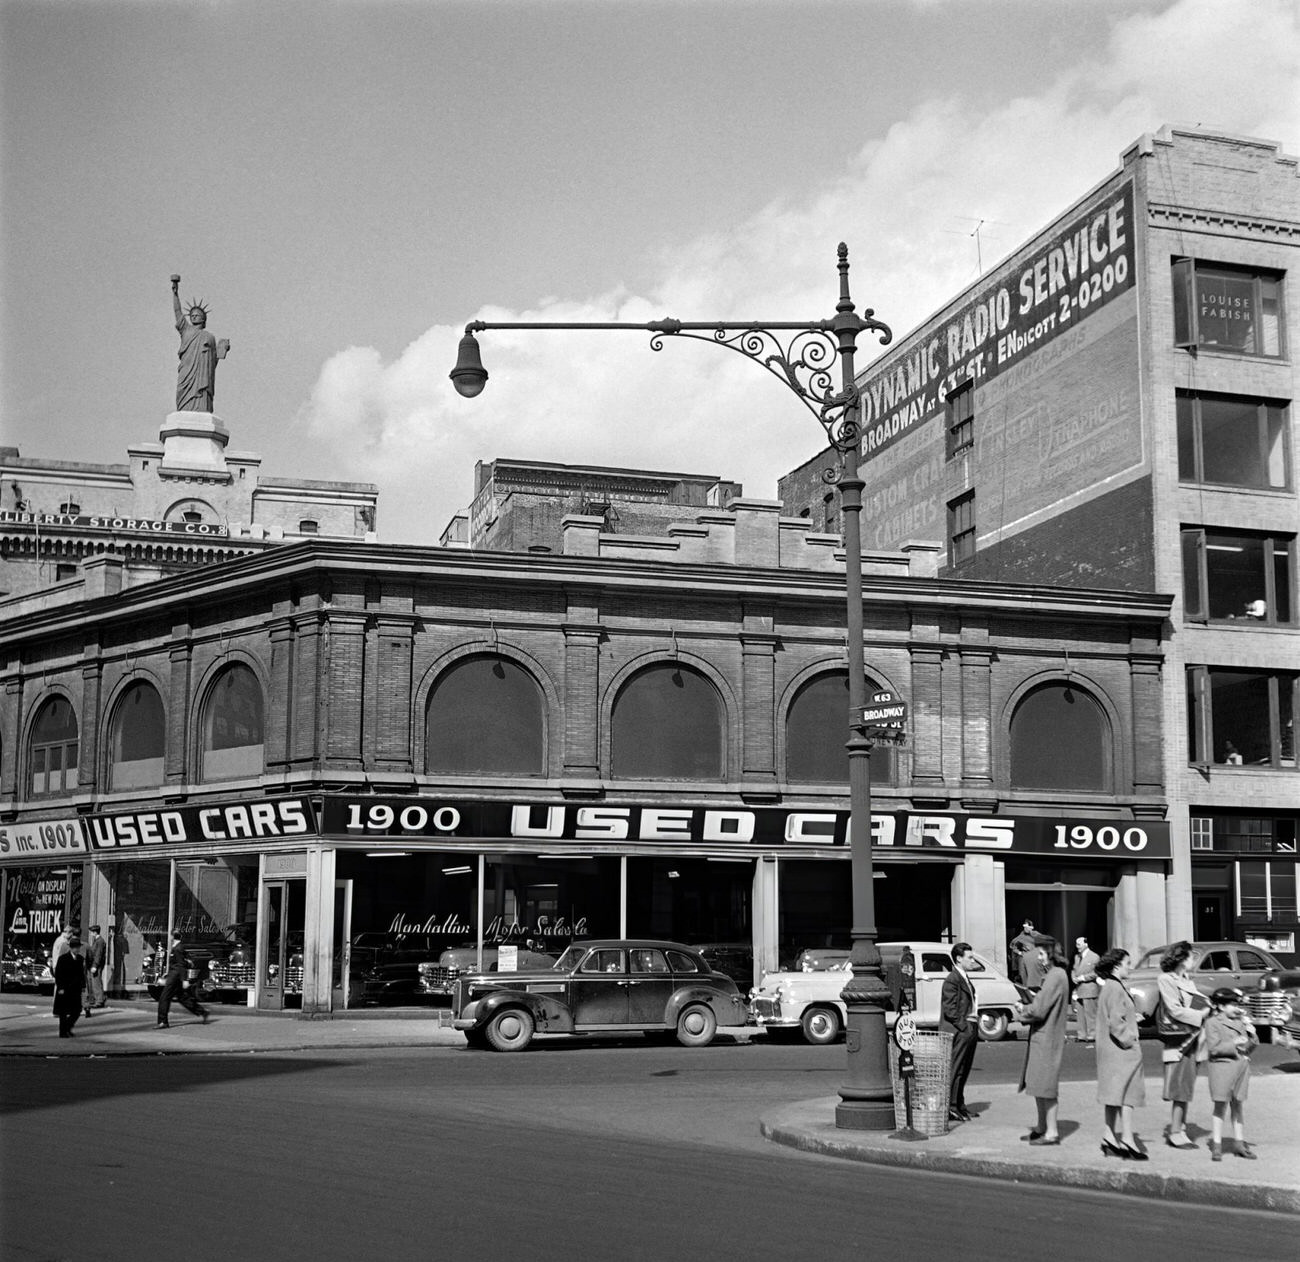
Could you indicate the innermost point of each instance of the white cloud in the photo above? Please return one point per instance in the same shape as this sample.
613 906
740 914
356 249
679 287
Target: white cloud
907 204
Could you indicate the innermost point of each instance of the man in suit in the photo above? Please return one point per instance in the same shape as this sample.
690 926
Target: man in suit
96 957
177 986
959 1016
1086 989
69 981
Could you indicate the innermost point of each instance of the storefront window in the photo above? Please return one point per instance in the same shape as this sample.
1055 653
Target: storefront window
816 729
54 750
138 738
667 724
232 727
700 902
1060 740
485 717
38 903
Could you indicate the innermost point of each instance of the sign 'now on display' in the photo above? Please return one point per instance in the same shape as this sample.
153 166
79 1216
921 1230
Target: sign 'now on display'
885 709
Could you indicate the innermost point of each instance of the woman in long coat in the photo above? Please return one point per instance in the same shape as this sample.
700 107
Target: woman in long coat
1183 1002
1041 1075
1120 1085
69 982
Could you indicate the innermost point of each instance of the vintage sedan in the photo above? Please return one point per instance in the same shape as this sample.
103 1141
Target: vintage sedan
1275 1007
808 1001
601 986
437 980
1215 964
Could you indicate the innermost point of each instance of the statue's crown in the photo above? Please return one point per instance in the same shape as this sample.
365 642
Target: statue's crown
197 304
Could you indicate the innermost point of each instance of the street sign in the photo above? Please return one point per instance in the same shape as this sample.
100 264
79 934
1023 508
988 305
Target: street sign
905 1032
886 714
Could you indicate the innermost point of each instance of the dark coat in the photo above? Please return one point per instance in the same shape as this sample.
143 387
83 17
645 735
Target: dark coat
1046 1019
69 982
956 1002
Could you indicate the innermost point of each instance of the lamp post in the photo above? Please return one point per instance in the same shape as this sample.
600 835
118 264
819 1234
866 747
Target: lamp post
802 356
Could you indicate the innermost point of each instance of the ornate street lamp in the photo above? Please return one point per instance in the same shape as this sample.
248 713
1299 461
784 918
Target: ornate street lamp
802 355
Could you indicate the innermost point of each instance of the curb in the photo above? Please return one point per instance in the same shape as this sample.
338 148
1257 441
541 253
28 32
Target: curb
792 1127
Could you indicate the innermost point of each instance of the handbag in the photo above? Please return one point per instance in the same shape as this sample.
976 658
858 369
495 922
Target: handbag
1174 1031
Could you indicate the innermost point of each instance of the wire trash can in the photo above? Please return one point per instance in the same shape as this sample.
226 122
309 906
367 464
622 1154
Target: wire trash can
932 1056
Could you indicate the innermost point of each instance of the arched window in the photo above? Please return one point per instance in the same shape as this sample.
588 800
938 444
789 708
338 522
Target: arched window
667 724
232 727
54 749
485 716
816 729
137 739
1060 739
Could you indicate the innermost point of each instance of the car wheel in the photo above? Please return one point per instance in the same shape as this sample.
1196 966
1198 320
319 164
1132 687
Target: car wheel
993 1026
509 1031
821 1025
696 1026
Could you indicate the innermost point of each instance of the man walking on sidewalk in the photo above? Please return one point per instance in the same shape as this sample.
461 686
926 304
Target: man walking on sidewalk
177 986
959 1015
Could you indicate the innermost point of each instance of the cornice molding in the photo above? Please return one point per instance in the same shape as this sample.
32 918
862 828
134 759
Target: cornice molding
1163 215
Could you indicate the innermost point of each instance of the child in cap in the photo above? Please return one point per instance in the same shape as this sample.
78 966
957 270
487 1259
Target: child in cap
1227 1040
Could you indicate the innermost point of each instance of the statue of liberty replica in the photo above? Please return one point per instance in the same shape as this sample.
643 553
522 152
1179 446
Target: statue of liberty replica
199 351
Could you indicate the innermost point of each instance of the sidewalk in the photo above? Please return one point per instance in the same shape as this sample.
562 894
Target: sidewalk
991 1146
127 1028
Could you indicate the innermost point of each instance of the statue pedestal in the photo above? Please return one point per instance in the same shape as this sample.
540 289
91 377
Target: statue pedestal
194 445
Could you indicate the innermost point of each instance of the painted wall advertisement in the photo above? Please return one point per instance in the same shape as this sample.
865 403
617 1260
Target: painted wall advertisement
1040 344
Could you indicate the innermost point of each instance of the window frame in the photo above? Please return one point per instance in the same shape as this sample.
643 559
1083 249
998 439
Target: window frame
1200 718
1197 476
1278 555
961 529
1188 272
959 414
69 755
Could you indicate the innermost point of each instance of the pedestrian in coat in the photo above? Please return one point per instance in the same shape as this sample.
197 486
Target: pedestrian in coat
1227 1040
177 986
1120 1085
69 982
1022 946
96 958
61 944
959 1016
1183 1002
1086 989
1046 1016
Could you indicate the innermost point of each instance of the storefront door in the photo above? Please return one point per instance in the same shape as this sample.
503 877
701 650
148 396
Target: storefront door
280 943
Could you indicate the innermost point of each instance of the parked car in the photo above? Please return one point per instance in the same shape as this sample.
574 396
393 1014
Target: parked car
815 959
1216 964
600 986
810 1001
437 980
1275 1007
736 959
27 972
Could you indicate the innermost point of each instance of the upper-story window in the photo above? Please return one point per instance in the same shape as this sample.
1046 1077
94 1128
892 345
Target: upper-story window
137 738
1060 739
960 408
233 734
309 526
1241 717
816 729
1228 440
1237 576
961 528
192 515
54 749
485 716
1232 309
71 508
667 724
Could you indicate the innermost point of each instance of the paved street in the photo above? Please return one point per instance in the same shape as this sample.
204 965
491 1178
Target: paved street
585 1150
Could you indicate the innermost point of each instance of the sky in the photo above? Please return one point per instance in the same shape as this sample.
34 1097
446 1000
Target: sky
347 184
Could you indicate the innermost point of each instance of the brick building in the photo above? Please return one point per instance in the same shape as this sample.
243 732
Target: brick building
330 744
1112 406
